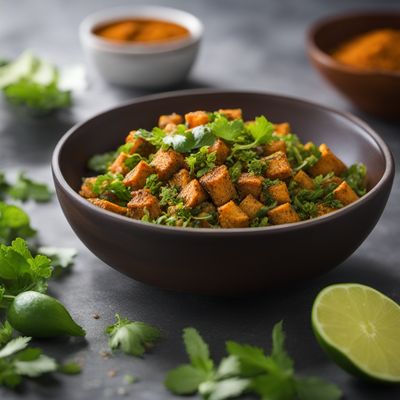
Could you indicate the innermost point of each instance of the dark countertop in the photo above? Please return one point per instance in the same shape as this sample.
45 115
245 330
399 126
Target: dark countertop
255 44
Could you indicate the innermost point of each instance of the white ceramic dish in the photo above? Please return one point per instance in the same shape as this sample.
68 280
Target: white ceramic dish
141 65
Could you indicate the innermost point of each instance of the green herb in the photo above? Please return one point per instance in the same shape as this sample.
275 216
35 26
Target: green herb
71 368
25 188
355 177
132 337
298 156
133 160
33 83
17 360
4 185
169 196
6 330
180 216
14 222
260 130
155 137
100 162
201 162
130 379
227 130
235 171
111 184
153 184
257 167
20 271
243 156
62 258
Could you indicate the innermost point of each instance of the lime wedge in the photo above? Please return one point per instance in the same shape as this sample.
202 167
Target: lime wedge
359 328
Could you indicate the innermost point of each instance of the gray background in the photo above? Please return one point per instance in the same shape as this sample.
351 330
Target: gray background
247 45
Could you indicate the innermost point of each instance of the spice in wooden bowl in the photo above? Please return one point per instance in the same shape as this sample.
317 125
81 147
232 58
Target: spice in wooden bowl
375 50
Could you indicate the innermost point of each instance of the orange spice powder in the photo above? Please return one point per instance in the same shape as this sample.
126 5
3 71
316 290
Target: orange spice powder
375 50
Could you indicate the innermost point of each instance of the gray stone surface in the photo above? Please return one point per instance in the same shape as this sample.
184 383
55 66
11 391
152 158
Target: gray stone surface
255 44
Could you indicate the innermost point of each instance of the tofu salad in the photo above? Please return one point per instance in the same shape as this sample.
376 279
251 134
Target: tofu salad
215 170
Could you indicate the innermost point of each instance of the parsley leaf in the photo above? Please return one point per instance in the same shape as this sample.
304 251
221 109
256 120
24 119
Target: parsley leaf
20 271
61 258
132 337
14 222
201 162
100 162
260 130
197 350
155 137
228 130
25 188
111 185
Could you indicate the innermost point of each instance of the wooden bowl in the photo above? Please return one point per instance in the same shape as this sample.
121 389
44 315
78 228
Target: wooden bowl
223 261
375 92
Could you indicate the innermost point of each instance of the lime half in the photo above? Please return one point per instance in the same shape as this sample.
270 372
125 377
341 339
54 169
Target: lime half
359 328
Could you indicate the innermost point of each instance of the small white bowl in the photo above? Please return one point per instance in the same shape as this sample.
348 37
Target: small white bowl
146 66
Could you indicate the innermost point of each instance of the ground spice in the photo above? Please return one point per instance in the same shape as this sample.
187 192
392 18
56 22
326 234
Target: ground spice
375 50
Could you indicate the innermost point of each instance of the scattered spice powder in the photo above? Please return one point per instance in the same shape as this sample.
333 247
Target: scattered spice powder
141 30
375 50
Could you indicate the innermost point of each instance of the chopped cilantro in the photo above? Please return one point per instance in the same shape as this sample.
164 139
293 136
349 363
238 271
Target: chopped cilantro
153 184
62 258
100 162
355 176
111 184
235 171
201 162
25 188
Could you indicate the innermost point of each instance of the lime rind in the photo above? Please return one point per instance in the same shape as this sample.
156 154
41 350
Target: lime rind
342 356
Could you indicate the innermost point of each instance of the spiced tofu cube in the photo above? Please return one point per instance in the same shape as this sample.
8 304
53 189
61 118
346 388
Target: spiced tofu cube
327 163
250 206
136 179
118 166
196 118
278 166
173 118
323 209
274 146
282 129
231 216
231 113
303 180
283 214
279 192
219 185
180 179
166 163
249 184
107 205
139 145
221 149
142 203
87 188
345 194
193 194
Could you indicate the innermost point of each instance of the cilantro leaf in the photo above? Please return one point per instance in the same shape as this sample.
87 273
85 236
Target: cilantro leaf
355 176
279 354
155 137
316 389
100 162
14 222
14 346
36 367
197 350
132 337
185 379
260 130
4 185
71 368
111 184
228 130
183 142
25 188
220 390
6 330
201 162
61 258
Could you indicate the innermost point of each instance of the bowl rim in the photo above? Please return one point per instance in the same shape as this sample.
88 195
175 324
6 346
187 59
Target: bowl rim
324 58
108 15
151 227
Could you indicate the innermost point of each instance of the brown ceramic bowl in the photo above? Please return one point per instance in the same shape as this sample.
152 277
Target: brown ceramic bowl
372 91
223 261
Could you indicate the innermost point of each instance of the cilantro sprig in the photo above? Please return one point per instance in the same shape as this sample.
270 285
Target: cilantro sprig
245 369
260 131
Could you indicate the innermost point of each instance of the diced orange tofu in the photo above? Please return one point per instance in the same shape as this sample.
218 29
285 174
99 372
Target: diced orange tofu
167 162
323 209
142 203
219 185
231 113
170 128
87 188
231 216
273 147
118 166
193 194
140 145
279 192
196 118
250 206
282 129
278 166
345 194
180 179
136 179
107 205
249 184
308 146
173 118
221 149
283 214
327 163
303 180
